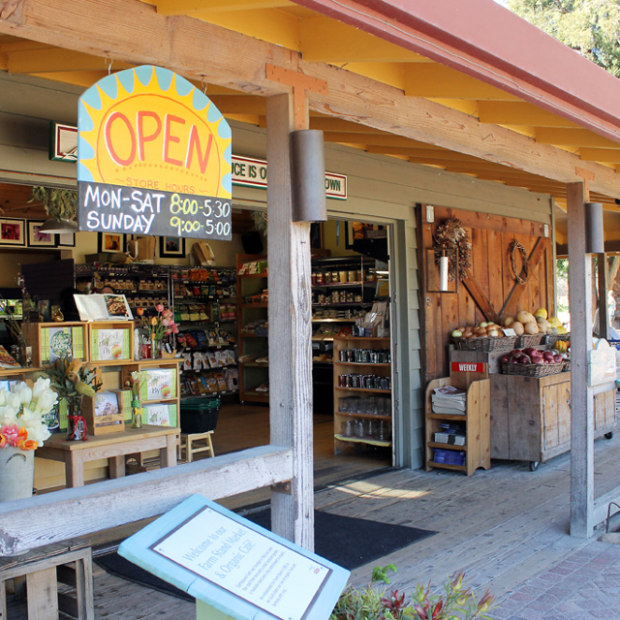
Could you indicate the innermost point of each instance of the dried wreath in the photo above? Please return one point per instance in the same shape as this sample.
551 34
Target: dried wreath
522 277
449 235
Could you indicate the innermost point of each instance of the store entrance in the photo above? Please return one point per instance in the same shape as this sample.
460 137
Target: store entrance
351 345
220 304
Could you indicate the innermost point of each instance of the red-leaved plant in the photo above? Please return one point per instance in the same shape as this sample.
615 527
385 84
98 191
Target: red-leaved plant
456 603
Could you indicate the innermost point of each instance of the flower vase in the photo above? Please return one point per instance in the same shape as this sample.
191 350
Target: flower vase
155 347
136 421
16 473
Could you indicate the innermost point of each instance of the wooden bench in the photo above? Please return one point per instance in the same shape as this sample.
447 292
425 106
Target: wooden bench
193 443
43 569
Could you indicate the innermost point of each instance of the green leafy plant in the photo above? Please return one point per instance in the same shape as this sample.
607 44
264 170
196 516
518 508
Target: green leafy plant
457 602
61 204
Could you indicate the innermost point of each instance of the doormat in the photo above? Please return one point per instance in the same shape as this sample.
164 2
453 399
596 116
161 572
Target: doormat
346 541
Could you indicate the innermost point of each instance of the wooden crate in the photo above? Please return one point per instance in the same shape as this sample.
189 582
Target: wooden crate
102 424
531 416
110 342
50 340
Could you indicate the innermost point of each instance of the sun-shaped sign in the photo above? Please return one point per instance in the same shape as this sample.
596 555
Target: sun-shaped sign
154 157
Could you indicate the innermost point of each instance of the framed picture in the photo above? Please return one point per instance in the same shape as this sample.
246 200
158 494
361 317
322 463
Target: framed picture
172 247
111 242
12 232
66 240
36 238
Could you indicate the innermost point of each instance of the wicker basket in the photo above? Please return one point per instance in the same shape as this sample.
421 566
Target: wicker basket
486 343
553 338
532 370
528 340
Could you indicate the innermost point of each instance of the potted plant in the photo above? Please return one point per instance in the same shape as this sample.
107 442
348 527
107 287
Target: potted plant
60 204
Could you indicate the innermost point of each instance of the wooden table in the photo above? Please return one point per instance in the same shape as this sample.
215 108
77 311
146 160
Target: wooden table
114 447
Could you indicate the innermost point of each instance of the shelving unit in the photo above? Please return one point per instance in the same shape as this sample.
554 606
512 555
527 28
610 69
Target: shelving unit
145 286
253 332
205 307
362 392
343 290
475 422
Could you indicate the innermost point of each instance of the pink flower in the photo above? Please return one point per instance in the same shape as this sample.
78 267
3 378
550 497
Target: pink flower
159 307
11 434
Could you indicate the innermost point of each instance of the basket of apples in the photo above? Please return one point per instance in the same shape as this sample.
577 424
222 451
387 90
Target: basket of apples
531 362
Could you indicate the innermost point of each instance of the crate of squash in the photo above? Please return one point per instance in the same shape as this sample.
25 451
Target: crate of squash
486 336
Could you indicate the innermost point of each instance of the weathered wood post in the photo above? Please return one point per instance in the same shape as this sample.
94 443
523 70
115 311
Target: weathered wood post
582 423
290 322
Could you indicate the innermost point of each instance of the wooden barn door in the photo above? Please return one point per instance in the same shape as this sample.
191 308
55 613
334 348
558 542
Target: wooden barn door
488 290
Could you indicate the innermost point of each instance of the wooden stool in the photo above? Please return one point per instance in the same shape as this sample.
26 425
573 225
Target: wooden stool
193 443
43 569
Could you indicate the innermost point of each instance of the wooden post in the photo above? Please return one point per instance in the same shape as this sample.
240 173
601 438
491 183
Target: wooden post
582 424
603 287
290 331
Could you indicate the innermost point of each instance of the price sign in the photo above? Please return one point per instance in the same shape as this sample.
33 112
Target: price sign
154 158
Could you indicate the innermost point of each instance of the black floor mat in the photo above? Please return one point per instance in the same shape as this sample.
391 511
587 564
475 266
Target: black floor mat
346 541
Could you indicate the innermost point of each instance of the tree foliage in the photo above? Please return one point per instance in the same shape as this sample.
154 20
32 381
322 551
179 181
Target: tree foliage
591 27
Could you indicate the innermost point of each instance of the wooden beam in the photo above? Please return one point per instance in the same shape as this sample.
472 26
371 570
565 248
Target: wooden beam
290 324
133 32
53 517
480 298
582 424
52 59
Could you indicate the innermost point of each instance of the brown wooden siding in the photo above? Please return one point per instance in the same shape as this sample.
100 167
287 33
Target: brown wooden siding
491 279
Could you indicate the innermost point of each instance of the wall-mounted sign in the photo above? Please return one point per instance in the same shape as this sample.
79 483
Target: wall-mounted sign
154 157
250 172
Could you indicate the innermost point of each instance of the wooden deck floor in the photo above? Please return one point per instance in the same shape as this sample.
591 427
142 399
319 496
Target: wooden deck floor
501 526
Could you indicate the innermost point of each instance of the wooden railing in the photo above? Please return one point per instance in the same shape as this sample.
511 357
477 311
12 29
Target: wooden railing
76 512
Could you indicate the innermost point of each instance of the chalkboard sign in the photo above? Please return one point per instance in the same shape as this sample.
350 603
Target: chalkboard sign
154 157
118 209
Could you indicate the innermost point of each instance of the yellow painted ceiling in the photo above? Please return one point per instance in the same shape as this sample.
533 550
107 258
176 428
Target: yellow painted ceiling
321 39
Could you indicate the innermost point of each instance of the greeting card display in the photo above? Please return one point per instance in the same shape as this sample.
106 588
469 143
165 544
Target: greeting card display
111 342
160 415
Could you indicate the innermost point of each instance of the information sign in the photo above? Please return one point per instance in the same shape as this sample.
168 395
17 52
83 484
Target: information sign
235 565
154 158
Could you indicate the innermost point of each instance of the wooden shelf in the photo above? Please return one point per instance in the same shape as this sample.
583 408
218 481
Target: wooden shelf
452 417
476 421
447 466
368 440
447 446
379 364
370 390
371 416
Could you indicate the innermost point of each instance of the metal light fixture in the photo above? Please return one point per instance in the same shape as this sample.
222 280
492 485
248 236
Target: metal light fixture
442 270
595 235
58 227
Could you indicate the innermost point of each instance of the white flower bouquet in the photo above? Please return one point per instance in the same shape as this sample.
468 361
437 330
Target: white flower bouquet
22 414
